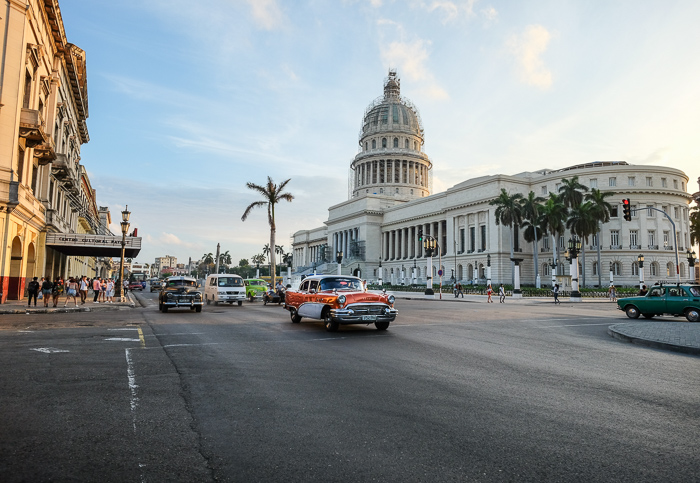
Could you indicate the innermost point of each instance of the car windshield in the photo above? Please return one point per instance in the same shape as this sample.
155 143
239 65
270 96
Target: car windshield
694 291
182 283
230 282
340 283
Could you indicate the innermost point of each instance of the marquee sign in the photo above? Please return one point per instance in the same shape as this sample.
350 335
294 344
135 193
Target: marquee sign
85 244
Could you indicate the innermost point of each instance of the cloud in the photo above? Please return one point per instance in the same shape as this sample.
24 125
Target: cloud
527 50
266 13
490 15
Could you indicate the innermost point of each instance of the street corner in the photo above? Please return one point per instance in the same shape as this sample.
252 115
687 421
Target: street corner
673 334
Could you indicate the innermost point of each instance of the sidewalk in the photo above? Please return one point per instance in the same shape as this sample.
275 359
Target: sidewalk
20 306
449 296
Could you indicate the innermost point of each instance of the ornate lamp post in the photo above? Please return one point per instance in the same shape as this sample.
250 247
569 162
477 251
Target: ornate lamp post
488 270
517 293
574 248
415 274
257 269
430 245
125 228
403 275
691 264
339 259
612 281
553 265
380 271
640 259
289 271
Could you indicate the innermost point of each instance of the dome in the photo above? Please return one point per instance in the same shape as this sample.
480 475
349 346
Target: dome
391 112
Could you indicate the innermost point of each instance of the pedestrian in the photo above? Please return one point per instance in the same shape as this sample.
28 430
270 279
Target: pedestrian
33 291
555 291
125 288
96 289
489 291
643 291
46 289
83 289
501 294
459 290
612 293
57 290
109 290
71 291
103 290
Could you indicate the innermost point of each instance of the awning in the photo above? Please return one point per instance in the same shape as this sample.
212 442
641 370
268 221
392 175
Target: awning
79 244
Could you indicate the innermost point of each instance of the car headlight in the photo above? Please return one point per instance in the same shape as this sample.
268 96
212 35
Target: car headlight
169 295
391 299
198 296
341 299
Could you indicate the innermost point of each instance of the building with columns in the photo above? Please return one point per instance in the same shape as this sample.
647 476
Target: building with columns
390 200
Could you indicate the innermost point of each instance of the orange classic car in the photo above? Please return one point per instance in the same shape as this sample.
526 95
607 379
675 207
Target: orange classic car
338 299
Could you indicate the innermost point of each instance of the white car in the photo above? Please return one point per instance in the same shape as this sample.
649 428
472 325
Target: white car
224 287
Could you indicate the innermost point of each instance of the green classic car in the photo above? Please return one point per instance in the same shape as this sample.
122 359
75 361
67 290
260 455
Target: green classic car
678 300
255 288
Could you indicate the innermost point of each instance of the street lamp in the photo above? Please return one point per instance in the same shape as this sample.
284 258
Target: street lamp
380 271
403 275
289 271
125 228
691 264
488 270
257 269
430 245
415 274
339 259
553 265
574 249
640 259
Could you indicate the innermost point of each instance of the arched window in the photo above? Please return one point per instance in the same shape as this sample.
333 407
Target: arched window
459 272
682 270
374 144
406 144
415 146
654 269
366 145
669 269
617 268
470 271
595 268
396 142
381 191
635 268
384 143
481 271
546 269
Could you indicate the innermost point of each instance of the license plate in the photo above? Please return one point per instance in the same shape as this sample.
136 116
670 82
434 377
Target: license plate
369 317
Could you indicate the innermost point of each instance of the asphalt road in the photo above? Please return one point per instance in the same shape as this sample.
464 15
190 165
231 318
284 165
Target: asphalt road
451 392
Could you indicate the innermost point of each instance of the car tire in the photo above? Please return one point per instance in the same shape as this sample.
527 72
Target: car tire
632 312
207 299
240 302
295 318
164 309
381 325
251 299
331 325
693 315
198 308
648 316
216 302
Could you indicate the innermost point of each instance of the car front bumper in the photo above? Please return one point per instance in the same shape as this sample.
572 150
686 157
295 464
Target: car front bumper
182 303
349 316
230 298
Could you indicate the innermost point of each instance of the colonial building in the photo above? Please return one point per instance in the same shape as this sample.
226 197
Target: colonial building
391 201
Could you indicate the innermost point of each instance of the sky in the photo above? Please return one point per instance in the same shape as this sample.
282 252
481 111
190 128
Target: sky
189 101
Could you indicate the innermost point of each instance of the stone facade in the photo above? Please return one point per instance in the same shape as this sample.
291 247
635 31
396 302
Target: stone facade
381 226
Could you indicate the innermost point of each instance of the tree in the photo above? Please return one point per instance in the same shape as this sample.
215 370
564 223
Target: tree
571 192
258 259
279 250
243 262
225 258
509 213
272 195
530 208
695 224
553 214
583 222
208 258
602 210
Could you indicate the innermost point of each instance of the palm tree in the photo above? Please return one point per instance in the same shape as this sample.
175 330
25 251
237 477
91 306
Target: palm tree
583 222
553 214
258 259
571 192
208 258
602 210
225 258
530 208
695 224
509 213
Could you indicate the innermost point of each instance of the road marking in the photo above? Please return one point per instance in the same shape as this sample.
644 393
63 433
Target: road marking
126 328
572 325
122 339
143 341
48 350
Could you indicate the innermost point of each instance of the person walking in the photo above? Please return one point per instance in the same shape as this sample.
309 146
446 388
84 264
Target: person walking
96 289
459 290
83 289
57 290
103 290
555 291
71 291
489 291
33 291
46 289
612 293
109 291
501 294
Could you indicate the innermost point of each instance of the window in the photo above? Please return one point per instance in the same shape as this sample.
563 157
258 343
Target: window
397 190
612 181
546 269
675 184
683 185
483 238
384 143
669 269
595 268
406 144
544 190
561 242
614 238
651 237
366 145
630 181
613 212
635 269
461 240
545 243
664 209
664 184
654 269
633 238
675 212
472 239
594 183
667 238
396 142
616 268
374 144
415 145
27 90
556 187
650 211
650 181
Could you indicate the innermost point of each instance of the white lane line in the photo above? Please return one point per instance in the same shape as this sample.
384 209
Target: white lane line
572 325
131 376
48 350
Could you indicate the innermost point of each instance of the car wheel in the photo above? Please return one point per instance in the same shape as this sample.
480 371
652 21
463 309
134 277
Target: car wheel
164 309
216 302
208 301
198 308
648 316
692 315
295 318
632 312
331 326
240 303
251 298
381 325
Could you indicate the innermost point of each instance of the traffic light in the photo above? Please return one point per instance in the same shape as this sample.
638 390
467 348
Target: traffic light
626 209
420 235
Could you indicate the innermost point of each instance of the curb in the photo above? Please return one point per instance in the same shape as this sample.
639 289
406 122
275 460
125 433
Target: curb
64 310
616 334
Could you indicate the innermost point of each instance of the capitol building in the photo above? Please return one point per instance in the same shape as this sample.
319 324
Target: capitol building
391 200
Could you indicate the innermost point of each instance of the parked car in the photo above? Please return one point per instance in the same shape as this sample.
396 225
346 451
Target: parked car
339 300
180 291
227 288
678 300
255 288
135 286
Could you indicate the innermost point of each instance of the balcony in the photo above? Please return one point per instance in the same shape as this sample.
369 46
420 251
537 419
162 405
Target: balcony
66 172
56 221
635 247
31 128
616 247
45 153
653 247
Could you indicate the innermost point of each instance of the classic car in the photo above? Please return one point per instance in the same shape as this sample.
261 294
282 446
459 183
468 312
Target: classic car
338 299
155 285
678 300
180 291
135 286
255 288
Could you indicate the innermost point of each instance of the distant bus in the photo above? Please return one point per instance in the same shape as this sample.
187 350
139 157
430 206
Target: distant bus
138 277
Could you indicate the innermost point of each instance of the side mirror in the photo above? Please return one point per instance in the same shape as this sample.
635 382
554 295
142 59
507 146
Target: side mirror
313 290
